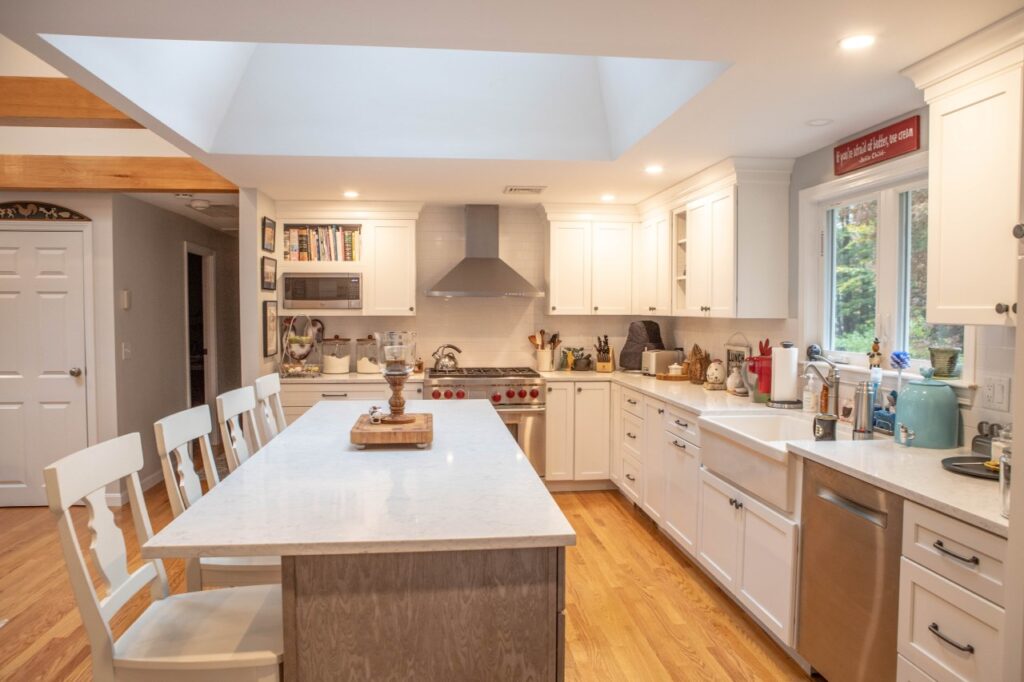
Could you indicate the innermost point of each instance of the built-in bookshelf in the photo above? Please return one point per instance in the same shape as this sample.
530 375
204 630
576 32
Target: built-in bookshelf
679 237
322 243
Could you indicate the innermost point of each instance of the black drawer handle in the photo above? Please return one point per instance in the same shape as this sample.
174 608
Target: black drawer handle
661 410
678 444
682 424
960 557
736 503
630 477
630 401
630 435
334 395
966 648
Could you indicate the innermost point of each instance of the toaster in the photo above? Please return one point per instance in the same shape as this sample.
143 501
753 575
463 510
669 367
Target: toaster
654 362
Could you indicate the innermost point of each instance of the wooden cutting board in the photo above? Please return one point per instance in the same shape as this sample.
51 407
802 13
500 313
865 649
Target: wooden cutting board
418 432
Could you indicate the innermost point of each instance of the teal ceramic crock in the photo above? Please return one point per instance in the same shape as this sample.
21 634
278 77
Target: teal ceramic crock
927 414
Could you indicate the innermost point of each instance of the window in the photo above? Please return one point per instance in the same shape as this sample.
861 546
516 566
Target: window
876 277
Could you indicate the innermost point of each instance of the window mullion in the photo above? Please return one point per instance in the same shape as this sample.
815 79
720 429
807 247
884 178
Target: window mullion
887 325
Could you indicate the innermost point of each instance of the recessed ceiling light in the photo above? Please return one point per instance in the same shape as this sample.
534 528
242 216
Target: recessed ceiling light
351 194
653 169
858 42
818 122
607 197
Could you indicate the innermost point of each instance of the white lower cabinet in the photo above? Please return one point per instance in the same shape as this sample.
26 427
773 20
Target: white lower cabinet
682 490
297 397
718 545
653 498
631 479
578 435
908 672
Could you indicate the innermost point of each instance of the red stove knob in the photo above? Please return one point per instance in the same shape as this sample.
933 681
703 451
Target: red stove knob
522 393
496 397
510 393
436 394
447 394
534 393
460 394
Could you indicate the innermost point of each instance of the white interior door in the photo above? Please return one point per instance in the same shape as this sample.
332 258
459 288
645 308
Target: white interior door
42 358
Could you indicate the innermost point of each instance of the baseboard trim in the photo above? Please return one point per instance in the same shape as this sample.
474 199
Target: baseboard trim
120 499
578 486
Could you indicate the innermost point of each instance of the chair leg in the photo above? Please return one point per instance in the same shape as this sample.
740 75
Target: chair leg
193 575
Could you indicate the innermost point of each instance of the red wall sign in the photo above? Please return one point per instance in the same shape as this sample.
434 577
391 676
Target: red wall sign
888 143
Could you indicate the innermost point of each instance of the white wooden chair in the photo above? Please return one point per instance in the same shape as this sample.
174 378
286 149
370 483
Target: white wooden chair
229 634
268 405
236 414
174 436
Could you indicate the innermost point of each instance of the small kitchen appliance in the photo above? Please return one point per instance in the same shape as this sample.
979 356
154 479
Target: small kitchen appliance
927 414
341 290
654 362
643 335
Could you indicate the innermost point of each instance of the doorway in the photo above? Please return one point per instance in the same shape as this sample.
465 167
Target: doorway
200 326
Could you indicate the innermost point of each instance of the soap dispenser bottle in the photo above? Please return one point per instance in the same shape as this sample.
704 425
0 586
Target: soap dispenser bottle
811 393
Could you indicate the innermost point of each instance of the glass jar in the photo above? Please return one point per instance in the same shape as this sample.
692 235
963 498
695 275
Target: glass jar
366 356
396 351
337 355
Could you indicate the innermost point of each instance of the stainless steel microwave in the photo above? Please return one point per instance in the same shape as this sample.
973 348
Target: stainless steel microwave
324 290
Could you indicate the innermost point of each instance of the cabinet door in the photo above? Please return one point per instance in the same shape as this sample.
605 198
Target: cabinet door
974 200
391 289
592 410
558 427
718 540
722 212
569 269
611 278
698 258
682 490
767 577
615 453
654 460
652 265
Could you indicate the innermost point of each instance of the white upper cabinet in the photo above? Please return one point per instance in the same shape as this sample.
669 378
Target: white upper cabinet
391 290
589 264
729 242
974 174
652 267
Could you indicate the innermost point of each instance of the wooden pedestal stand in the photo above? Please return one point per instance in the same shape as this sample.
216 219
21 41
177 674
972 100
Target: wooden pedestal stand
397 428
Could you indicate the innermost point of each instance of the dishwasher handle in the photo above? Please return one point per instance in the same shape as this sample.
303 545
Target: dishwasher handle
870 515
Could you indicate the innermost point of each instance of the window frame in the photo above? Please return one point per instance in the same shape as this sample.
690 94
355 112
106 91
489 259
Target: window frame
885 182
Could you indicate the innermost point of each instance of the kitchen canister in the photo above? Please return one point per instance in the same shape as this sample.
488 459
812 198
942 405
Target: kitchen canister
544 359
927 414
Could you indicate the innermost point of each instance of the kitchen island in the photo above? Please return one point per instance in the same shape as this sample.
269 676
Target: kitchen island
398 563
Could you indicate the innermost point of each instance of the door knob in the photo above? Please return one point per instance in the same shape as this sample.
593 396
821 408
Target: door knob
75 372
1018 230
1002 308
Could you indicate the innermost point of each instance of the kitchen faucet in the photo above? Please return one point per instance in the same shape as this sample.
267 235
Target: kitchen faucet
832 381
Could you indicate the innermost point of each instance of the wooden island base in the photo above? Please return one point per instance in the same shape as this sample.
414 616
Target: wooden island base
460 615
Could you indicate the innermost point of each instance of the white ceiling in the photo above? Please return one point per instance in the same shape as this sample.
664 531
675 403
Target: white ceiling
786 68
180 205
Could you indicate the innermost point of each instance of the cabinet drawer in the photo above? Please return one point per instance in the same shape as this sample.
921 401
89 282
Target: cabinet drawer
293 395
633 402
683 424
968 556
946 631
632 435
631 478
908 672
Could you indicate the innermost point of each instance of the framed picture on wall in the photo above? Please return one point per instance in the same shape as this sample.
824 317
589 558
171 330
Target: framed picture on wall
270 336
269 235
735 356
268 276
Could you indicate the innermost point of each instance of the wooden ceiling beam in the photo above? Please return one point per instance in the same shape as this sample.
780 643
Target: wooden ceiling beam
55 102
109 174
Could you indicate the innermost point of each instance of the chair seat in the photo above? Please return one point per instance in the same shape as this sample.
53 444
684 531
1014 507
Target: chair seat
236 627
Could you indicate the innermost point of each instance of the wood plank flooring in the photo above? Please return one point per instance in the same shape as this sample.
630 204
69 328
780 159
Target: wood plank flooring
636 608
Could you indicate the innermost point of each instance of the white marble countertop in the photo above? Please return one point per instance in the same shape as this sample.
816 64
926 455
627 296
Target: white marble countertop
351 378
913 473
310 491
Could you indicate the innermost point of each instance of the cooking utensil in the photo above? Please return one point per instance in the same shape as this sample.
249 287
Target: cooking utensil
533 340
542 339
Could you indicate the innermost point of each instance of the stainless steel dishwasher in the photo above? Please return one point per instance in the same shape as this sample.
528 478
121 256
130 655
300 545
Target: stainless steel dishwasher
849 576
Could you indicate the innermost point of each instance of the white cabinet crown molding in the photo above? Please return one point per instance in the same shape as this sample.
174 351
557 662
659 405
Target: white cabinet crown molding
978 47
725 172
292 211
605 213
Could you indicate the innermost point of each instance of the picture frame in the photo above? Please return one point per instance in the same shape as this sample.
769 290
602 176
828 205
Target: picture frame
270 335
735 356
269 235
268 273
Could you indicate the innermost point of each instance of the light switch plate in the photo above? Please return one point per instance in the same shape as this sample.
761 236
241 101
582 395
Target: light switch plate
995 393
126 350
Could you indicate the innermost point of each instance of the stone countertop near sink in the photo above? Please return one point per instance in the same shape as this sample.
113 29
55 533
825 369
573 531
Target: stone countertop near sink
350 378
682 394
913 473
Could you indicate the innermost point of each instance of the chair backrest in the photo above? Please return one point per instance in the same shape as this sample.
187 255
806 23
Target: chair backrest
84 476
236 414
174 437
268 405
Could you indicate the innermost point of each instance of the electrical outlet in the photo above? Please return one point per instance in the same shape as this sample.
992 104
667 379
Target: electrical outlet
126 350
995 393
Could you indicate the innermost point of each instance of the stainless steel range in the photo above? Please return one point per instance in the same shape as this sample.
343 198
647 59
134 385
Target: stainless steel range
517 393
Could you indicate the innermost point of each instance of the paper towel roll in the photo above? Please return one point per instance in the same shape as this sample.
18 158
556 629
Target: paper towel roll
785 361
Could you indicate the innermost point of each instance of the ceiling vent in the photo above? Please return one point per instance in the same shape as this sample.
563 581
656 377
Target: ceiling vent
214 210
524 189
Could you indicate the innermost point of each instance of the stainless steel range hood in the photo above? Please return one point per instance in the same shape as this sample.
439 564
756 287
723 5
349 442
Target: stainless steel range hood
481 273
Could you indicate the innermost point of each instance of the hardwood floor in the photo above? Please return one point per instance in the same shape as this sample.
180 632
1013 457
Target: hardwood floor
636 608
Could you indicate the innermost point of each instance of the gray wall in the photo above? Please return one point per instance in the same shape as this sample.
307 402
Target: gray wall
148 253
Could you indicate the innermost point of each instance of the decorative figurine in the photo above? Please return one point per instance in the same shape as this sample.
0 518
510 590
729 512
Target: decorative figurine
875 356
715 376
734 384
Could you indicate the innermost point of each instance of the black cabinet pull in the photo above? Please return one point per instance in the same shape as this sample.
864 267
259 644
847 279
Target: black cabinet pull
334 395
661 410
938 544
966 648
1002 308
630 401
678 444
682 424
1018 231
630 435
630 477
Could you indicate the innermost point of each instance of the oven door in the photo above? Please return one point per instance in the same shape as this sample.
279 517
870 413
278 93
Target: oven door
526 424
